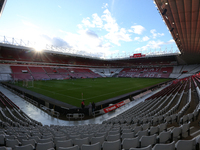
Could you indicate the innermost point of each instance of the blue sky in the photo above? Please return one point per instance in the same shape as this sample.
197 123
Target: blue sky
104 28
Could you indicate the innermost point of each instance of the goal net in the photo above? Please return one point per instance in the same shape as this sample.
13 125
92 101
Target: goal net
28 83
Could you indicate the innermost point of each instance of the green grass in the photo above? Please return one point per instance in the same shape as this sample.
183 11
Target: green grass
70 91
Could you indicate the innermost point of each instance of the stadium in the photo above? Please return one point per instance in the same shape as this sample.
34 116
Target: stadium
142 101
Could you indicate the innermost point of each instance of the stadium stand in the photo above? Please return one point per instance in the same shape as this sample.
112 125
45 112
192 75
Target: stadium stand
147 124
167 118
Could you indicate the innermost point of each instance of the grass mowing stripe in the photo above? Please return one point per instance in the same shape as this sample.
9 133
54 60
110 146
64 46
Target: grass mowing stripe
70 91
58 93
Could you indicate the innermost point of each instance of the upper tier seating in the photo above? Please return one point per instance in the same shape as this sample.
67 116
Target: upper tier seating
147 72
36 69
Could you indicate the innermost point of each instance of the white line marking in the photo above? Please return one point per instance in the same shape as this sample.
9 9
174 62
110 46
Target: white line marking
58 94
110 93
88 87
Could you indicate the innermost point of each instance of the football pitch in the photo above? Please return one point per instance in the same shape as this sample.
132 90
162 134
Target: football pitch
73 91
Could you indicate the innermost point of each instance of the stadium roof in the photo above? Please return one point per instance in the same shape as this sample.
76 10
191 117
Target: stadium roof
2 5
183 20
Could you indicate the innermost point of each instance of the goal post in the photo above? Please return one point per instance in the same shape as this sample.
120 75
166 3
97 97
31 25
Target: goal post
28 83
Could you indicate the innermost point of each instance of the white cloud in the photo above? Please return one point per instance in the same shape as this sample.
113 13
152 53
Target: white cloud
105 5
145 38
115 33
171 41
87 42
79 26
29 24
115 37
87 23
137 39
138 29
129 30
23 17
97 21
59 6
155 34
154 45
111 25
106 22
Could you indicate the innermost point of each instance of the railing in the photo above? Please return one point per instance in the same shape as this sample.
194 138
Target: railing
50 111
75 116
31 101
97 112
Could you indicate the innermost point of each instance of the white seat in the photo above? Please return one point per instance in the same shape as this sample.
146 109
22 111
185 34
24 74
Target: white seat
163 137
168 119
12 143
198 142
190 117
45 140
184 119
113 132
2 139
185 130
74 136
44 146
170 146
146 126
144 148
20 138
148 140
98 139
176 133
128 143
75 147
99 134
88 135
154 121
154 130
174 118
24 147
162 127
144 120
133 125
96 146
128 135
111 145
37 134
113 137
30 141
135 120
137 129
47 136
65 143
62 138
126 130
185 144
160 119
80 142
3 148
36 138
10 137
142 133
